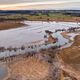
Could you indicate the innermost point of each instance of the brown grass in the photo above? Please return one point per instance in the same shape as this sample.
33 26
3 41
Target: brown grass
31 68
10 25
71 55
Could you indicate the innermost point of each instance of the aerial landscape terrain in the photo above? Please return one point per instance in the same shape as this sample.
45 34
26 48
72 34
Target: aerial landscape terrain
40 40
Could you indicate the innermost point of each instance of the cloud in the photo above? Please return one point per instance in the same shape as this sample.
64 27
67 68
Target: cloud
57 4
27 1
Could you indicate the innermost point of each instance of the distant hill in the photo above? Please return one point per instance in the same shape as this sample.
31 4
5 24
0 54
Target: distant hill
70 12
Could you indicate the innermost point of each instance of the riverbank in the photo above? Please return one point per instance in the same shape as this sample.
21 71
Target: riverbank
56 19
71 57
71 54
10 25
42 17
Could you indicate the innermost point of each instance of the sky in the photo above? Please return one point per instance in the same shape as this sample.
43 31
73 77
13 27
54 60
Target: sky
38 4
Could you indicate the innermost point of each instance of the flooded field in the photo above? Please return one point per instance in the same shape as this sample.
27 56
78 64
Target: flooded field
32 35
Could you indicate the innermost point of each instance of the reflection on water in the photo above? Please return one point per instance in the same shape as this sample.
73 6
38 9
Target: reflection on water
3 72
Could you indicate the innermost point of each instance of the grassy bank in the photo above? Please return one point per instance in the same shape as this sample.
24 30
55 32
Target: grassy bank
53 17
71 55
41 17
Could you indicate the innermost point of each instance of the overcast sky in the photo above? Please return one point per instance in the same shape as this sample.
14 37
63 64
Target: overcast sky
23 1
39 4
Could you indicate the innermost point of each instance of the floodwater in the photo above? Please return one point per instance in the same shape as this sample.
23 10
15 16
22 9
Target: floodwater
33 34
3 71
